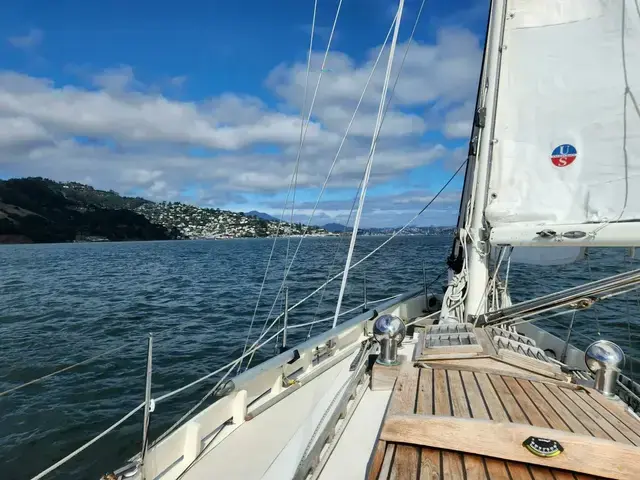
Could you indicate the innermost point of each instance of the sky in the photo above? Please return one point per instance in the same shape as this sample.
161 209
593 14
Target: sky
201 101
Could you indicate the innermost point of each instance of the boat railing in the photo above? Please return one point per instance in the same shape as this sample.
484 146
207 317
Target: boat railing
247 394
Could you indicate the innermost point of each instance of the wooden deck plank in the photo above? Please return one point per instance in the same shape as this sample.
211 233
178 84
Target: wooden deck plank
610 417
424 402
509 402
484 365
377 460
405 463
540 473
562 475
387 463
473 465
458 396
452 466
496 410
497 469
476 403
553 419
563 412
518 471
429 457
580 404
430 464
530 410
403 398
589 455
617 410
582 417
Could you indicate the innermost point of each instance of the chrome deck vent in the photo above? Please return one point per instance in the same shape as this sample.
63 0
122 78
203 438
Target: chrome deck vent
604 359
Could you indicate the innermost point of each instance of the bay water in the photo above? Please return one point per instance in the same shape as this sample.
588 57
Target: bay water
61 304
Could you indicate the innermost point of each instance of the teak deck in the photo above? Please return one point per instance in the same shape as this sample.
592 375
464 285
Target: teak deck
452 423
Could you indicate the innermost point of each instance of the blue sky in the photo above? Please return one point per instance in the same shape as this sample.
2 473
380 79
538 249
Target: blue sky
200 101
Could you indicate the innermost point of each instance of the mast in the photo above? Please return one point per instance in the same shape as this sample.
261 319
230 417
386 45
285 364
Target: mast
456 257
478 251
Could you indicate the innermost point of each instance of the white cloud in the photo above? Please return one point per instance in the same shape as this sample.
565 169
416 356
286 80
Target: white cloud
28 41
127 135
116 79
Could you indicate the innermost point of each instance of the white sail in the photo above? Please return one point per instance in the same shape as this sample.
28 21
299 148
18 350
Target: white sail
567 129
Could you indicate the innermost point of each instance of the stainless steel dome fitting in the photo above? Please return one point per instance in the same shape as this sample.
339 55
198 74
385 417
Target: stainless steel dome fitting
604 359
389 331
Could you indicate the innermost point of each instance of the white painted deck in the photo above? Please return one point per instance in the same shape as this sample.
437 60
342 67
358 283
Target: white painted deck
270 446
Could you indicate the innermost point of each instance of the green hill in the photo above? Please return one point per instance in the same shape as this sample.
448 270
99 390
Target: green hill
43 211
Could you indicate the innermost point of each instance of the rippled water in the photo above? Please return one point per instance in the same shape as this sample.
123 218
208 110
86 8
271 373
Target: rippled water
60 304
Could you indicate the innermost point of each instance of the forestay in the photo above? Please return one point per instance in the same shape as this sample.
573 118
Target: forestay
567 132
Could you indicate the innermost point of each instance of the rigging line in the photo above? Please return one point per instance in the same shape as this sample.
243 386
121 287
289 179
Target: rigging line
406 51
294 179
415 25
393 89
335 159
88 444
305 125
302 123
196 406
595 311
65 369
375 250
303 128
335 253
372 252
626 302
209 375
367 172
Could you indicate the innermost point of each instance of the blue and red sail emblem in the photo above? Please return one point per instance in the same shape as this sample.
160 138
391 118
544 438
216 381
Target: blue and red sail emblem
563 155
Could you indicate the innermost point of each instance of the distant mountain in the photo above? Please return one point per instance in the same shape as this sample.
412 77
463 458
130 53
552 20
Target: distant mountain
336 228
261 216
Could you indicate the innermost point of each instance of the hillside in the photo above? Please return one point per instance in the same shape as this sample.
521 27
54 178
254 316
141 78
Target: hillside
35 210
42 210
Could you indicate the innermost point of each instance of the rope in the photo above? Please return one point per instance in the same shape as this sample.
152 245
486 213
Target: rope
65 369
88 444
372 151
327 178
304 128
209 375
375 250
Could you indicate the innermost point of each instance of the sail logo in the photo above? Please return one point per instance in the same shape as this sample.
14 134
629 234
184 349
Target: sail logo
563 155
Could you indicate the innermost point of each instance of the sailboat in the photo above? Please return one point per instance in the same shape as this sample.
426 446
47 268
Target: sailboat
463 384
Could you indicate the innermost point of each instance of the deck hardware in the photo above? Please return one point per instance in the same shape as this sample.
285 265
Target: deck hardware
543 447
604 359
389 331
